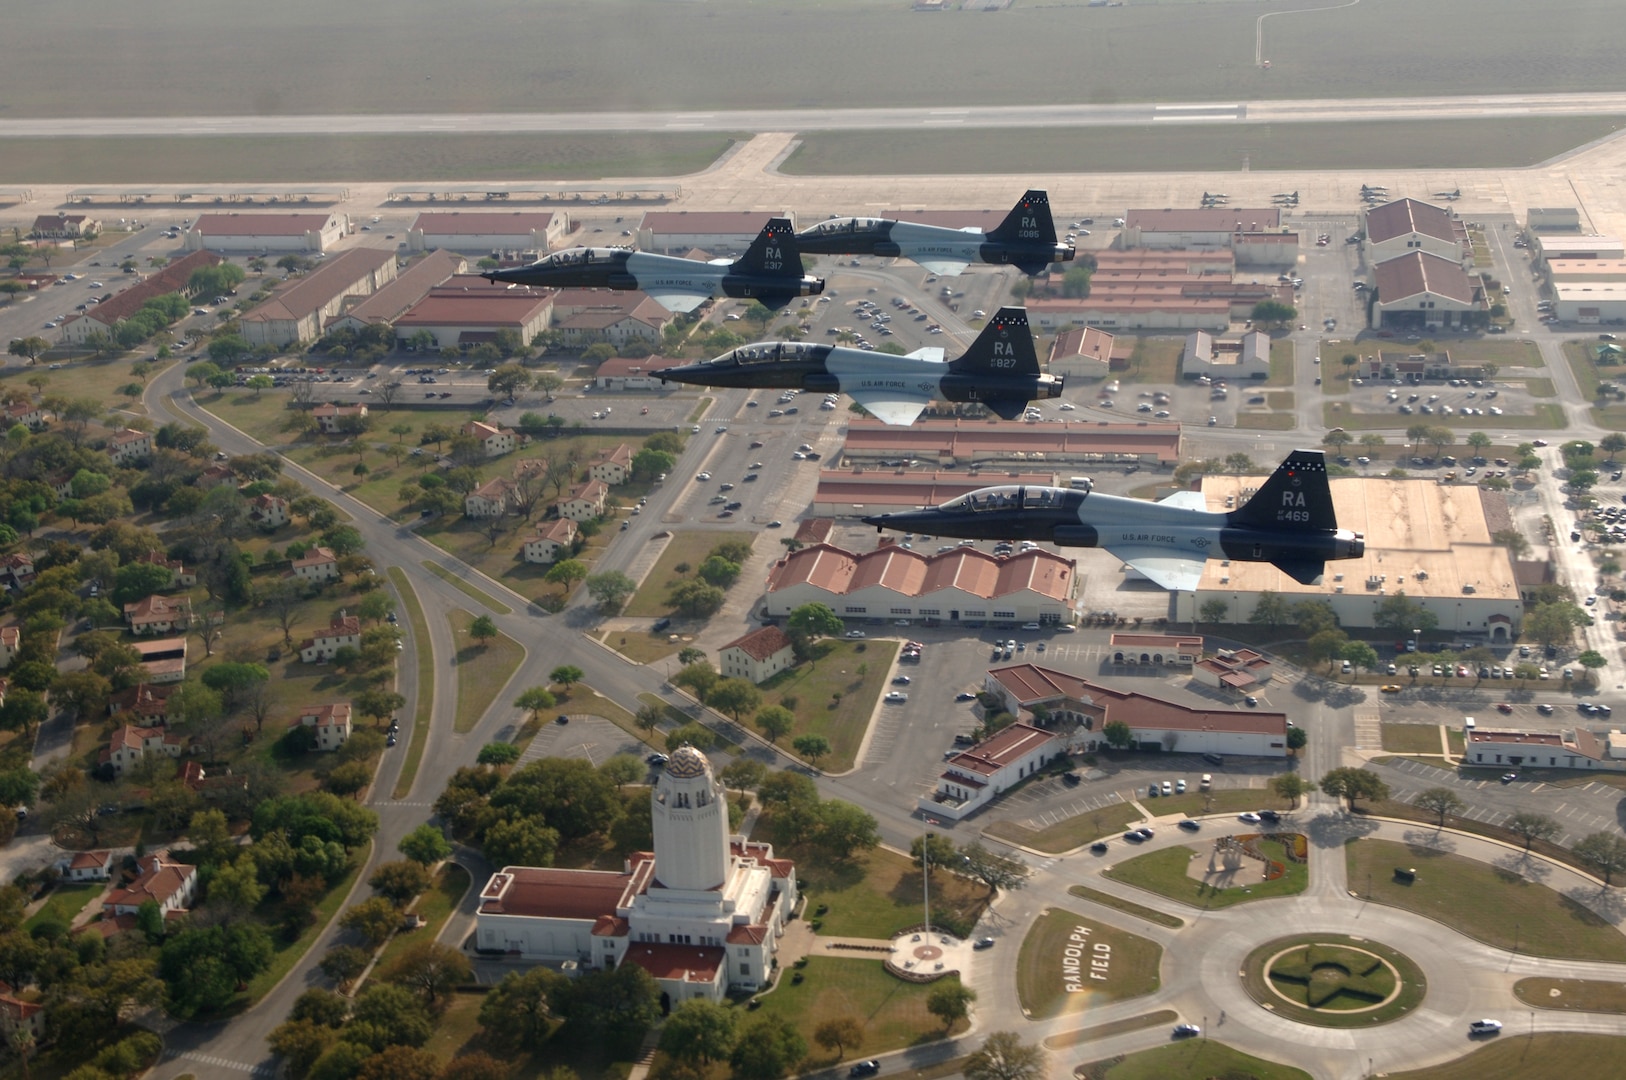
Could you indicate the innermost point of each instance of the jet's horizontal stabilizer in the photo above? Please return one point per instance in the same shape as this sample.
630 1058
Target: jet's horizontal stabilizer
930 353
1173 572
1185 500
899 411
1303 571
679 301
945 267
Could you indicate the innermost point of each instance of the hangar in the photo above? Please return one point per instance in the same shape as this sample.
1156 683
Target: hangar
726 232
269 232
957 443
487 231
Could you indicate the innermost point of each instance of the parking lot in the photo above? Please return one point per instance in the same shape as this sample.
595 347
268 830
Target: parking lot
1579 810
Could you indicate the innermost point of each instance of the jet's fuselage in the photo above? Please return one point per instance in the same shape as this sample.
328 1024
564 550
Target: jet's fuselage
928 243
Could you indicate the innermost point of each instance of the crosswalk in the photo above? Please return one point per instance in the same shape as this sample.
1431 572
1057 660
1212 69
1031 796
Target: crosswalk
222 1063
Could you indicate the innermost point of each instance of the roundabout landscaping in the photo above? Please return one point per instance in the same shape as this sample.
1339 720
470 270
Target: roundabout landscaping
1333 980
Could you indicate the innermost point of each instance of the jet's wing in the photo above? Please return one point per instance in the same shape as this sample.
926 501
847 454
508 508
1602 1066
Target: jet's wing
1186 500
946 267
679 301
930 353
889 410
1177 573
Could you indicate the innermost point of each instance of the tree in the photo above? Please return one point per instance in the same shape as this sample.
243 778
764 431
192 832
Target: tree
29 348
840 1032
536 701
1554 622
691 734
1533 826
741 774
1238 463
399 881
548 382
699 679
623 769
1213 611
345 963
1513 540
767 1048
425 845
203 967
1359 654
648 463
1274 313
950 1002
932 850
400 1063
234 682
1604 852
811 747
566 675
520 843
1326 644
1118 734
1402 614
374 919
1352 784
389 1015
566 572
508 380
518 1012
1288 787
1337 439
1004 1056
497 753
735 697
993 869
610 589
1592 660
430 969
620 1004
1441 802
776 721
808 623
483 629
648 718
1614 443
1270 609
695 599
699 1032
1297 738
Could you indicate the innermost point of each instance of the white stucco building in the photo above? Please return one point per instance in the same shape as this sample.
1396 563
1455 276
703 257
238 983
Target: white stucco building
974 778
266 232
702 914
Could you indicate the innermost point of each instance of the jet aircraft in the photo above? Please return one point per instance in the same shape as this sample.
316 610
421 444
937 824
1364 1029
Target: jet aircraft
1286 196
1455 193
770 271
1026 239
1000 369
1289 523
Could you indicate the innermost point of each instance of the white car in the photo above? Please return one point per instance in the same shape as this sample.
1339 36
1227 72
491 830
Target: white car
1485 1027
1066 406
896 697
703 476
1250 817
855 634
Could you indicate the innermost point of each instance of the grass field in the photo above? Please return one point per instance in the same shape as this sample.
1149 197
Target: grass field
879 893
1164 872
1537 1057
1055 973
291 158
1411 738
65 902
1224 801
1265 421
1282 353
1069 833
99 379
1588 375
1545 416
1154 360
893 1012
834 694
1482 902
520 58
1191 1059
436 906
1343 1009
684 547
1128 907
482 671
1579 995
424 658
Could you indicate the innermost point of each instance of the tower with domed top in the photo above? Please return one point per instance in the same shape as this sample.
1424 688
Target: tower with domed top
690 811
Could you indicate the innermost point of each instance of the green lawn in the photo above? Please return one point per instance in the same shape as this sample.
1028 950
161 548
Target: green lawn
436 906
482 671
1266 421
99 379
1222 801
643 646
1530 1057
1164 872
1588 375
1068 834
879 893
1282 354
1482 902
424 706
1579 995
1285 987
65 902
893 1012
834 694
1545 416
1411 738
1128 907
1153 360
1192 1059
688 547
472 592
1056 970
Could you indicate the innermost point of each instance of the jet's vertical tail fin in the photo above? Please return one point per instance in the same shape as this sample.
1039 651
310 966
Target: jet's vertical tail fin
773 253
1296 496
1005 347
1029 220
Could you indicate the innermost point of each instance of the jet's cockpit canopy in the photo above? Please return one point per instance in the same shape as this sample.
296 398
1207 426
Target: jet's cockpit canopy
767 352
845 226
1005 497
580 256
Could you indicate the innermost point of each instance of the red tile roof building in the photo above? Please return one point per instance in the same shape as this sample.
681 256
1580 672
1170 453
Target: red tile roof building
758 656
344 630
975 777
585 503
550 540
615 467
317 564
159 615
130 745
103 317
963 442
703 914
329 724
171 885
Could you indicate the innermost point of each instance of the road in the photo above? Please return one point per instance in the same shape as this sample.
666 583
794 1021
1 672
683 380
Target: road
1328 110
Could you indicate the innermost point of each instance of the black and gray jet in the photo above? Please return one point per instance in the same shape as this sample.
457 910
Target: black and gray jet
1289 523
1026 239
1000 369
770 271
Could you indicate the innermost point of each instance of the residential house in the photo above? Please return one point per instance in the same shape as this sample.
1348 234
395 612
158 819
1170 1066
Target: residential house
329 415
179 576
28 414
552 539
17 570
196 778
159 615
171 885
494 441
317 564
130 745
15 1013
129 446
268 511
11 639
586 502
63 226
144 701
614 467
164 659
330 724
342 631
214 475
493 498
88 866
758 656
